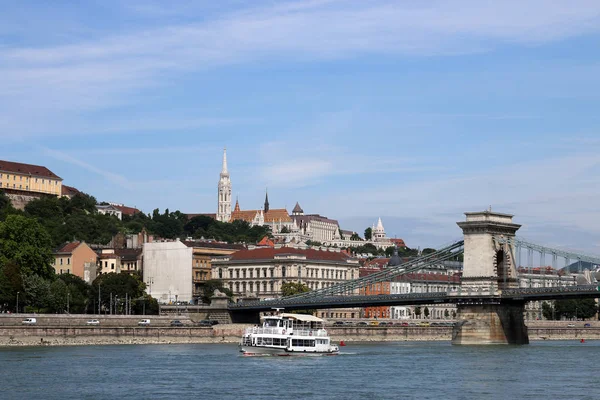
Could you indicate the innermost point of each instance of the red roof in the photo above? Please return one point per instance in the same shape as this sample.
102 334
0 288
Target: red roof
398 242
68 190
127 210
68 247
270 253
27 169
266 242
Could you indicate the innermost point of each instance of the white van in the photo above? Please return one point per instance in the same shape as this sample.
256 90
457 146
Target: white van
29 321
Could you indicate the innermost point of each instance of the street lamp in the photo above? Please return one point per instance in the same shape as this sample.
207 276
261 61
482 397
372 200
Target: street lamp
176 304
68 295
18 302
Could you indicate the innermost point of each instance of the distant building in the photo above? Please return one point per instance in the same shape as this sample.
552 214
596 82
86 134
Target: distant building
69 191
203 253
167 271
224 193
108 261
25 182
108 209
75 258
125 210
261 272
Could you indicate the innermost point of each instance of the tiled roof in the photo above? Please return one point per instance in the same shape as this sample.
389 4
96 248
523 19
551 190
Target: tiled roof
27 169
68 247
128 210
398 242
266 242
270 253
128 254
273 215
297 209
314 217
68 190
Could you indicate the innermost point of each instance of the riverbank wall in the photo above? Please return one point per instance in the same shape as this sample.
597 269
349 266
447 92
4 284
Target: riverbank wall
65 336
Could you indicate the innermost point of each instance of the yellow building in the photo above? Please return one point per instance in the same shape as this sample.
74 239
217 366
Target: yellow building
26 178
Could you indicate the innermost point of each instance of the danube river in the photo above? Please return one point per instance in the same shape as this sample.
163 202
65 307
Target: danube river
423 370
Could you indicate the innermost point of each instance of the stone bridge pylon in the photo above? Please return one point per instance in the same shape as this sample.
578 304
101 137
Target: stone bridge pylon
489 267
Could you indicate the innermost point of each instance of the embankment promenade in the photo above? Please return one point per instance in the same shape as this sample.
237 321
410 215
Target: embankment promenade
61 330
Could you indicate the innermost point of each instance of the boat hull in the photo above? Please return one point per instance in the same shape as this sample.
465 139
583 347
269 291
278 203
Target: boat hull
277 351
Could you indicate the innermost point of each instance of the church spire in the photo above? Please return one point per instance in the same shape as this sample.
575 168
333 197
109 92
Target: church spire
224 169
266 200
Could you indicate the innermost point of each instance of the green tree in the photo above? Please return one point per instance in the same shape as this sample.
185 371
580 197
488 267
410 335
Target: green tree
547 311
453 314
292 288
285 229
11 283
426 312
145 305
37 293
355 236
119 286
389 251
417 312
6 207
209 290
24 241
446 313
79 293
368 233
428 250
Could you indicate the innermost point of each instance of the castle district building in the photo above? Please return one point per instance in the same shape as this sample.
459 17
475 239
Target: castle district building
76 258
25 182
261 271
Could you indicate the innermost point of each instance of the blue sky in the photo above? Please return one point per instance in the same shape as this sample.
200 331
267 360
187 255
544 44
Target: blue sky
415 111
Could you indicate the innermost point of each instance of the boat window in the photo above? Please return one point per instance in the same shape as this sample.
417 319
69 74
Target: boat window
270 323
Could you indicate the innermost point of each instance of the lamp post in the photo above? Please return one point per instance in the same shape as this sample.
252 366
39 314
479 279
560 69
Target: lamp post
18 302
176 304
68 295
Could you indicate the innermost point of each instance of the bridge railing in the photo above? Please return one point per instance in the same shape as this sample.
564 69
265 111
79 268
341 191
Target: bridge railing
388 274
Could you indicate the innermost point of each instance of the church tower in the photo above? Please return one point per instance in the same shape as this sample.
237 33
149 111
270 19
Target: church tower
224 200
266 201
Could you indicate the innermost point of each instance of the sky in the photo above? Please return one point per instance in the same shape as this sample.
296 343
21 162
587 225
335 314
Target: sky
415 111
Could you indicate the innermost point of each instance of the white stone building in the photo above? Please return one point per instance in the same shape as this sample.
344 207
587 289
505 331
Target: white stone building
167 271
109 209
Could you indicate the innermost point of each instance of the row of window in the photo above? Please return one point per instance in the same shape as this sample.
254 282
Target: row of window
61 261
14 186
27 179
268 341
310 273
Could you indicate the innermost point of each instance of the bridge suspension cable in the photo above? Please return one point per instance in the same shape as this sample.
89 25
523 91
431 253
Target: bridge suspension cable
521 243
385 275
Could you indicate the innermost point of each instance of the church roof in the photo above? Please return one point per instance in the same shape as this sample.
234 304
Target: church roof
297 209
273 215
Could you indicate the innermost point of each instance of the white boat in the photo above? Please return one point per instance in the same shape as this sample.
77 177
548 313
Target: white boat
288 335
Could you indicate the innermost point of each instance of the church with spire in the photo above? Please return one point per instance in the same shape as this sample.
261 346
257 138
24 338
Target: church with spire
224 193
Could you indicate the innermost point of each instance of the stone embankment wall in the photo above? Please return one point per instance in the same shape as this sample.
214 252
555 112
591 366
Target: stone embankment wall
72 330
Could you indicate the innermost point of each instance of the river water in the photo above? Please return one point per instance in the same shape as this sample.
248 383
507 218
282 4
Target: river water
423 370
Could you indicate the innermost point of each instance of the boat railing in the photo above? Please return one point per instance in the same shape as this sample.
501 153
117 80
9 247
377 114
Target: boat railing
265 331
310 332
282 331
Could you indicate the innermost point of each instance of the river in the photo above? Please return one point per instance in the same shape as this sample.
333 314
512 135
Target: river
393 370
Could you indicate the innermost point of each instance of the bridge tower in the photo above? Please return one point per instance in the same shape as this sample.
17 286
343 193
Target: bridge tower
489 267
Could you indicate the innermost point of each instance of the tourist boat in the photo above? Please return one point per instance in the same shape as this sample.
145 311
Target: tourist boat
288 335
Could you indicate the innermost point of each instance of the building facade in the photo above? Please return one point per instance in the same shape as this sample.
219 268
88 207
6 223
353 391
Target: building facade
29 178
167 271
73 257
262 271
202 254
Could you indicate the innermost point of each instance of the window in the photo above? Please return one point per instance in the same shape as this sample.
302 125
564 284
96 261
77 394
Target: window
105 264
68 260
283 272
61 261
220 273
112 265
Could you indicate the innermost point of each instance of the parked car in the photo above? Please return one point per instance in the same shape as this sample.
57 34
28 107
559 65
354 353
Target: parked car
362 323
144 322
384 324
29 321
338 323
208 322
404 323
92 322
571 326
176 323
424 323
587 325
374 323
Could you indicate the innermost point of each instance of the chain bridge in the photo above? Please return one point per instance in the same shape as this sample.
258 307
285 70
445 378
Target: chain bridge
491 297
